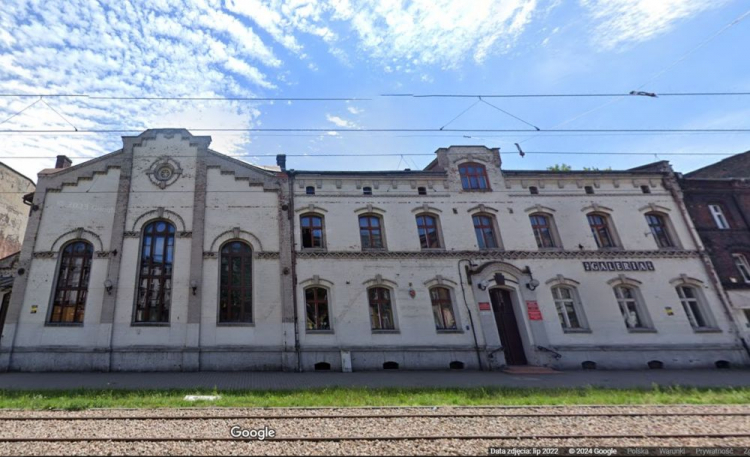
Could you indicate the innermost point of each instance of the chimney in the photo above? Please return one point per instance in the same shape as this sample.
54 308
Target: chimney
281 161
63 162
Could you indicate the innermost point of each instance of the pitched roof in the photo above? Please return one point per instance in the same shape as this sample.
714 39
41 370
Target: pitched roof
736 166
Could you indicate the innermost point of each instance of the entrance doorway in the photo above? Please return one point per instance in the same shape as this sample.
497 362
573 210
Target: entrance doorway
507 327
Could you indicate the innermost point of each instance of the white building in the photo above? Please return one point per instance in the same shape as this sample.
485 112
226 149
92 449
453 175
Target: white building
166 255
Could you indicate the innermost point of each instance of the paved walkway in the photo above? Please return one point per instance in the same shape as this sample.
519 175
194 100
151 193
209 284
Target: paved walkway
280 381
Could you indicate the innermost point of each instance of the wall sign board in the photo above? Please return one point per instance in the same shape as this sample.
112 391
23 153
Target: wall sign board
485 306
626 265
535 314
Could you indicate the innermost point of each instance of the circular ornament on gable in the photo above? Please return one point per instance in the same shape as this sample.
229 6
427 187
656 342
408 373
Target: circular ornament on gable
164 172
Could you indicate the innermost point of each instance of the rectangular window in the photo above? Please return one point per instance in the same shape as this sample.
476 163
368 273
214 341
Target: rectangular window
565 303
442 309
718 215
693 306
741 262
316 304
381 310
484 228
371 232
747 317
72 284
630 307
155 280
312 231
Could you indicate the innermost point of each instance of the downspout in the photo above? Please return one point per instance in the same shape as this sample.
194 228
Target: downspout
676 192
290 215
471 319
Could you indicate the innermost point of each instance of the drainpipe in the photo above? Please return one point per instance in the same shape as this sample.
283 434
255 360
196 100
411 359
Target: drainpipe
290 175
471 319
676 192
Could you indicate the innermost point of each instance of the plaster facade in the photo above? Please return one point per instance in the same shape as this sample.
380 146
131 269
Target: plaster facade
213 201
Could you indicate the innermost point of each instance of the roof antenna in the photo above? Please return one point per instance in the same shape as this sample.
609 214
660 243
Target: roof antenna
520 152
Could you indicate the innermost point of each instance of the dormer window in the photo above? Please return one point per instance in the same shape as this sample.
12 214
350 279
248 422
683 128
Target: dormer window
473 176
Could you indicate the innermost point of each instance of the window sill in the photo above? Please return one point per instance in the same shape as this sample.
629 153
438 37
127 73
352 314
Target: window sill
448 331
235 324
642 330
576 330
150 324
707 330
314 250
318 332
385 332
433 249
613 248
63 324
374 250
552 249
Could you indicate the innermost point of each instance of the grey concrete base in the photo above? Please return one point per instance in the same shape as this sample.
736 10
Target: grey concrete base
414 359
227 360
638 359
69 359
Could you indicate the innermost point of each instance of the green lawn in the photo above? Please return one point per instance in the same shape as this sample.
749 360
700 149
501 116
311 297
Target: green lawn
83 399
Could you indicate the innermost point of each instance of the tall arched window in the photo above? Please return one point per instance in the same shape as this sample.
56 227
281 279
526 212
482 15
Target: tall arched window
381 309
427 228
541 224
371 231
72 285
442 308
311 226
659 228
569 308
316 305
473 176
484 228
632 307
601 230
695 308
236 283
155 276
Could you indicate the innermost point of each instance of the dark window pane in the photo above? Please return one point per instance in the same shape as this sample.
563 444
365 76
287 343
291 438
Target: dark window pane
235 288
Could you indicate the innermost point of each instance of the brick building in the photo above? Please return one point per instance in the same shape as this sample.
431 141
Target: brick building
718 200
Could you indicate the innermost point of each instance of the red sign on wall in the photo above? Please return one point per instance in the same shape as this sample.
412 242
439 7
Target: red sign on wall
535 314
484 306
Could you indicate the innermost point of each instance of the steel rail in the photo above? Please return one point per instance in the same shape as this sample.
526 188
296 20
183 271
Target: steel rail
368 416
381 438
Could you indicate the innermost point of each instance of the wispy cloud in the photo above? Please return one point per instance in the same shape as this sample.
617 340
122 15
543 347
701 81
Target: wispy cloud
354 110
623 21
341 122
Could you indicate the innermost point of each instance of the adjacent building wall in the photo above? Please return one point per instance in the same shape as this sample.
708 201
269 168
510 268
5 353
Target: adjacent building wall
13 212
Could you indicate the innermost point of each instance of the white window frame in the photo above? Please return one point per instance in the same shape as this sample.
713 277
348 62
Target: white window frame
561 310
638 306
740 261
719 218
699 301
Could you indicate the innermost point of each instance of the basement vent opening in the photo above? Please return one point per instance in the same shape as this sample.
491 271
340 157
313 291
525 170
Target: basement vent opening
390 366
656 365
723 365
322 366
422 190
456 365
588 365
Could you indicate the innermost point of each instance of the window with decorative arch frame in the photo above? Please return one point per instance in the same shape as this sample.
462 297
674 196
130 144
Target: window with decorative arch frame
429 231
155 268
317 309
603 230
443 309
632 306
371 231
486 231
569 307
236 283
474 177
381 308
545 231
68 301
662 230
694 304
312 231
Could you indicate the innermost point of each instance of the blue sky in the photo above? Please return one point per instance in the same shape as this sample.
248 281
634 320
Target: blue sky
342 48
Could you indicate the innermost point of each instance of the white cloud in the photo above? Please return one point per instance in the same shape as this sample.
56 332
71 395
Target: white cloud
340 122
354 110
623 21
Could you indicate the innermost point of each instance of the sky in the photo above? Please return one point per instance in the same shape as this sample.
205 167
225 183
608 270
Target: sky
361 50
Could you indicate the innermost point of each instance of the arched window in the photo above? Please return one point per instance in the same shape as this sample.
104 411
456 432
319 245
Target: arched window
740 261
236 284
541 224
316 304
428 230
312 231
371 231
72 285
601 230
473 176
658 225
632 308
569 308
484 227
155 276
695 307
442 309
381 309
